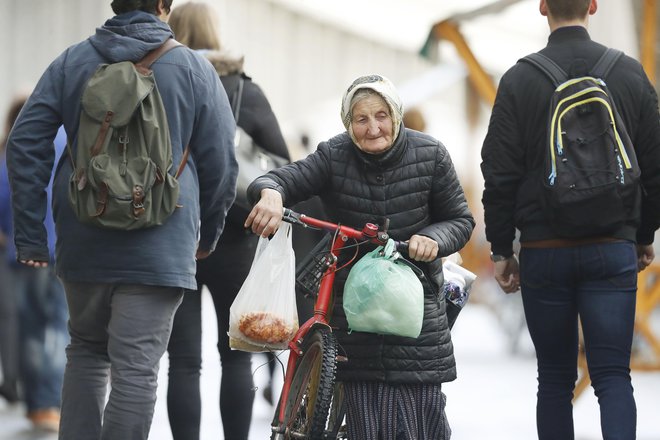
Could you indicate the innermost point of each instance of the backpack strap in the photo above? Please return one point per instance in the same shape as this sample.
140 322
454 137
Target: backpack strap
184 161
557 75
605 63
551 69
145 63
153 56
238 99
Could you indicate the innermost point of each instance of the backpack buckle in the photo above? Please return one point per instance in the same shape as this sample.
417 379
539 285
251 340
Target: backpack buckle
138 199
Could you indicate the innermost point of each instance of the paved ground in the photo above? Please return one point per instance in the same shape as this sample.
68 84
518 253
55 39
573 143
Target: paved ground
492 399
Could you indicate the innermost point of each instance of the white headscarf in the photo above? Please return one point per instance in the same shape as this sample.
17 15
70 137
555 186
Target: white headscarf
384 88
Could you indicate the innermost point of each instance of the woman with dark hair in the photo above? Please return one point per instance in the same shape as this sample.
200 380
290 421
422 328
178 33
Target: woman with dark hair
195 24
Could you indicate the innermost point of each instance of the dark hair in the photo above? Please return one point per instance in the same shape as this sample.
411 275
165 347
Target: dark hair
568 9
123 6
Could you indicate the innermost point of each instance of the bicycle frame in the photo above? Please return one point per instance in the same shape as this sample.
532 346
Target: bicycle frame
369 233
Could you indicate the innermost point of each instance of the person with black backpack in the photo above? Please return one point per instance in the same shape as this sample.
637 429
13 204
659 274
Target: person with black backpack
571 162
141 193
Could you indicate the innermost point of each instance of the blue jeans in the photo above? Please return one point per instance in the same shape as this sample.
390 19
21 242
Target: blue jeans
598 284
43 335
118 335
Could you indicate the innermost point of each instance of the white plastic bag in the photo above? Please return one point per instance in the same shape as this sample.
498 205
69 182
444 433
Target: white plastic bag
264 316
457 284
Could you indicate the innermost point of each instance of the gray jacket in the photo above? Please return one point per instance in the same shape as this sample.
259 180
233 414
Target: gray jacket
198 115
414 184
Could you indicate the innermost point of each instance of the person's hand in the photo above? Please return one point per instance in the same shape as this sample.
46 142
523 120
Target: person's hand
421 248
266 216
34 263
200 254
645 256
507 274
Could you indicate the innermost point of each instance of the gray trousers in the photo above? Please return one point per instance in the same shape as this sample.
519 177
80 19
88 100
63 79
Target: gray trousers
118 335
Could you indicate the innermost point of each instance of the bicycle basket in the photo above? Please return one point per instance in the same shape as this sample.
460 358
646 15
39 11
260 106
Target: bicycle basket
310 270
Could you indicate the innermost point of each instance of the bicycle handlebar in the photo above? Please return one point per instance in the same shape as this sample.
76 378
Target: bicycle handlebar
370 231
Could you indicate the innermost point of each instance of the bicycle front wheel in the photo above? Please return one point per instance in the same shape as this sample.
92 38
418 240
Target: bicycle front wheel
306 414
336 429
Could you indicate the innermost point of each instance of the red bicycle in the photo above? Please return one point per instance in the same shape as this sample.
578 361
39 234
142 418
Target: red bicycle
311 403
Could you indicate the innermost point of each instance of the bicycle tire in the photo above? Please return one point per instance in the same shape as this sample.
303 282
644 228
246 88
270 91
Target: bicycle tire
312 387
335 427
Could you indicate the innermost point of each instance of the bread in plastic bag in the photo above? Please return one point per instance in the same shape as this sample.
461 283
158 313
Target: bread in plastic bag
264 317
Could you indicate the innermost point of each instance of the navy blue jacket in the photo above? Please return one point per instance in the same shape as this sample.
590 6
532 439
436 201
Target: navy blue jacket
198 115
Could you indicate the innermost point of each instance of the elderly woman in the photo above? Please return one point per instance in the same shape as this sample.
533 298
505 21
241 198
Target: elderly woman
377 169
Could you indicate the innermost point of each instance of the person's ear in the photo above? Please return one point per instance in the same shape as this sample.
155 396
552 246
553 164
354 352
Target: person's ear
543 8
593 7
161 11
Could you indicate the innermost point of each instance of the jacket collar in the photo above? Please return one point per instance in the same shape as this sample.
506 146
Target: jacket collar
567 34
130 36
389 157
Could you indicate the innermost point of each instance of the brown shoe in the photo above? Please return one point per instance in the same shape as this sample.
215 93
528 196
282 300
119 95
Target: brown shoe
47 419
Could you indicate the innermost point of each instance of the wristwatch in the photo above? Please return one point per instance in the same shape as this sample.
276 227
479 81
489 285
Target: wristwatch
495 258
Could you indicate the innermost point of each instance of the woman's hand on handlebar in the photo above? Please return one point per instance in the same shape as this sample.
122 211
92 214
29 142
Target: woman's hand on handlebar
266 216
421 248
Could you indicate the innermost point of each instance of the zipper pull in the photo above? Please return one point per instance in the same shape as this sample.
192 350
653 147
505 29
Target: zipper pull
558 147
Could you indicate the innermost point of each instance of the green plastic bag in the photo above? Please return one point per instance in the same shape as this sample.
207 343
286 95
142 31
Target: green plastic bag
384 295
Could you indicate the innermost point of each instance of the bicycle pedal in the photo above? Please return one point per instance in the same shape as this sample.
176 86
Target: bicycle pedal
341 358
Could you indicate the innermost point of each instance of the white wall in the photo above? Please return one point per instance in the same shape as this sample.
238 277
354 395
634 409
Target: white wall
298 62
34 32
303 63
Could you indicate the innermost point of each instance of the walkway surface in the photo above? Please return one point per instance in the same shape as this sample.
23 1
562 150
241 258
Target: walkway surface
493 398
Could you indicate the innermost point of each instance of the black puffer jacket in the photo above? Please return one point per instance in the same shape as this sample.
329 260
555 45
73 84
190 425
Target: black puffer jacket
513 150
414 184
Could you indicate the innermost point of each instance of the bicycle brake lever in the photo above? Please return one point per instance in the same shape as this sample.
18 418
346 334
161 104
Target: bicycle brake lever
292 217
386 224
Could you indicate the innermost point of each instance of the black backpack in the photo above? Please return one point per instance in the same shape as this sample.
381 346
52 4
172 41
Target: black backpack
591 176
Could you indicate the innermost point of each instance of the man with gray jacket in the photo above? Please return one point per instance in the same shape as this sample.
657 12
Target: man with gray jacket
122 287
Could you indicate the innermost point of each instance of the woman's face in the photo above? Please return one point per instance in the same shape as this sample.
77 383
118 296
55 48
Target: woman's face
372 124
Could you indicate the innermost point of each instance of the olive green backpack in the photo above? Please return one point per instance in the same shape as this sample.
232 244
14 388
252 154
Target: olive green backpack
121 173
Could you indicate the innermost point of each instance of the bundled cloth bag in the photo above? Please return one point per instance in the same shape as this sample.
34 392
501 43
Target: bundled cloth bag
264 317
383 294
457 284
